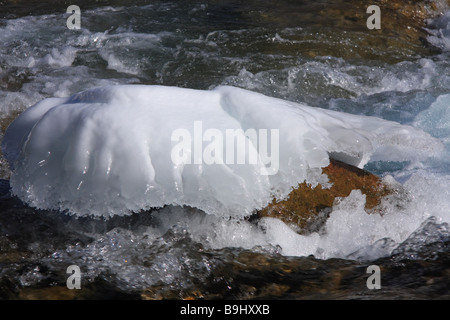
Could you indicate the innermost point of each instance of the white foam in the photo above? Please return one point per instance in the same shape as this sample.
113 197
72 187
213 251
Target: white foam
350 232
439 30
337 78
56 58
115 64
107 150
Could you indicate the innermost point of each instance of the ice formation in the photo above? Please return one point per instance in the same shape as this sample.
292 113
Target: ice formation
109 150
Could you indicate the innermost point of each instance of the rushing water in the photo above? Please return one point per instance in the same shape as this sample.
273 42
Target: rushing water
202 45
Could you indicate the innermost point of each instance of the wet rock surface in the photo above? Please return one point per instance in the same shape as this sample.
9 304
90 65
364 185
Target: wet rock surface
307 207
257 276
248 275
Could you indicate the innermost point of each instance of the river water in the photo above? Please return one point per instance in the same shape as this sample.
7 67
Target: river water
298 52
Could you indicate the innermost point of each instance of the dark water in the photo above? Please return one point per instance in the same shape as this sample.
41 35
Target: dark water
319 53
36 247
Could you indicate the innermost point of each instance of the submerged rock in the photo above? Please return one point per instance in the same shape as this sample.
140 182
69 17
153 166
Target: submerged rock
257 276
341 28
307 208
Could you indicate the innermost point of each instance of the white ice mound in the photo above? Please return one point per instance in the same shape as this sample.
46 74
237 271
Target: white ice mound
117 149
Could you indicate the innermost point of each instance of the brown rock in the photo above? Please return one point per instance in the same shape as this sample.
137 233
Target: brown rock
49 293
306 208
